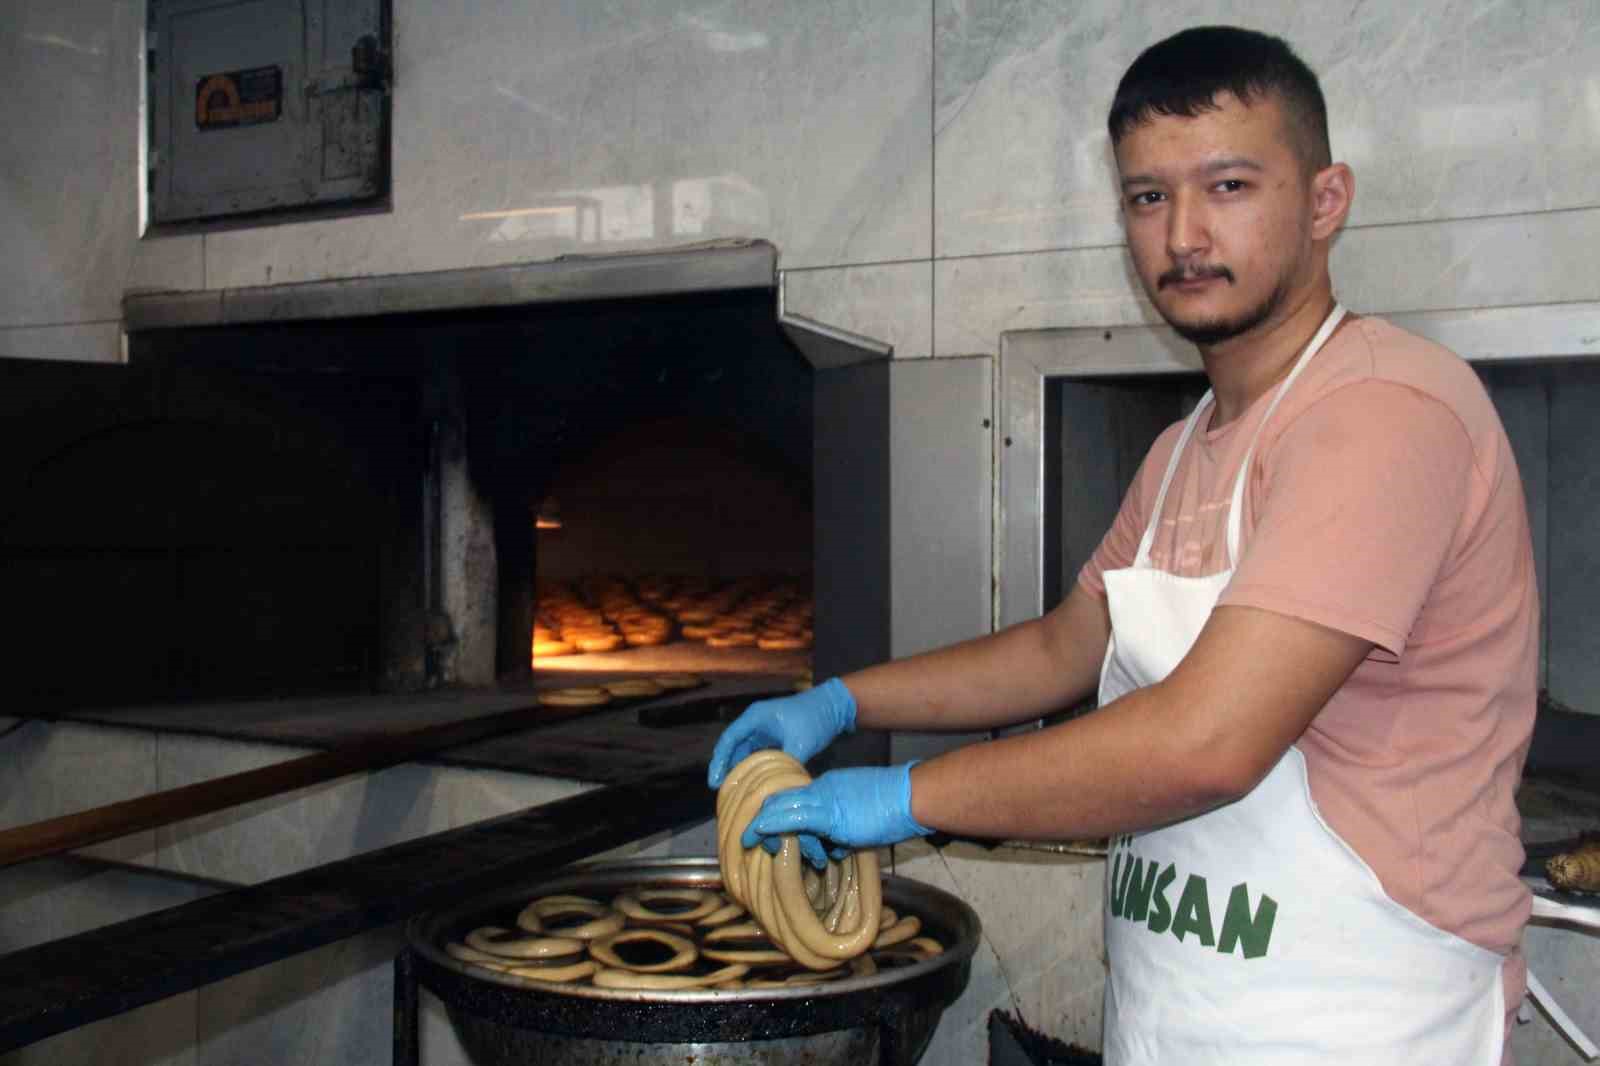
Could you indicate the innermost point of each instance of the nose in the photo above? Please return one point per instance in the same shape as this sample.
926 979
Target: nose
1187 229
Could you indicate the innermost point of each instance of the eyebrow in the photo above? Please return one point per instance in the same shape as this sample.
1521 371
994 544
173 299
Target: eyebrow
1214 166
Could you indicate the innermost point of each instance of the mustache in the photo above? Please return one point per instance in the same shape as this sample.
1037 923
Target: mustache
1193 273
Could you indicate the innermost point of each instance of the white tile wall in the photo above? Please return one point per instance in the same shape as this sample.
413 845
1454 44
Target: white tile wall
976 299
1042 949
1568 965
873 135
79 342
1446 109
889 302
328 822
866 138
1426 266
51 770
523 132
69 216
50 899
330 1005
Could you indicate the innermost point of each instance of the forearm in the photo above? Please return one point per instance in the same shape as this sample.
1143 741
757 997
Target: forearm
1022 672
1202 736
1116 770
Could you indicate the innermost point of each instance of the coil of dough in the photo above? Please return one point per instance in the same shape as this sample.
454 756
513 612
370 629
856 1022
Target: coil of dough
820 919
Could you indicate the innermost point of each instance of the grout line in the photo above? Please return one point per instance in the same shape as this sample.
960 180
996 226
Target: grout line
64 325
1402 223
933 175
999 961
853 266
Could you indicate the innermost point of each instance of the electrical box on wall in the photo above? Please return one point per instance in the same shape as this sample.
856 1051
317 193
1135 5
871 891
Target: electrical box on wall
261 106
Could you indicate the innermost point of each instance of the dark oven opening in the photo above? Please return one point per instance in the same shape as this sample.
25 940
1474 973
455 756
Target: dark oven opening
1546 408
351 505
681 544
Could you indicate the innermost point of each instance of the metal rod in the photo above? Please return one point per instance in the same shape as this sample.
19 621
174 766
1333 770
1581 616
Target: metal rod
407 1034
66 983
72 831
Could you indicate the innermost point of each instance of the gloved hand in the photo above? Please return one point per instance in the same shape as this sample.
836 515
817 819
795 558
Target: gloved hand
802 725
858 807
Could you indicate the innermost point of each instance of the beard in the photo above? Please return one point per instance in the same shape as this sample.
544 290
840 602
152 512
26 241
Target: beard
1213 331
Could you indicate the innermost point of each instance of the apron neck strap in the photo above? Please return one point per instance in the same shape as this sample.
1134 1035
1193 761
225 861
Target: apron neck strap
1235 508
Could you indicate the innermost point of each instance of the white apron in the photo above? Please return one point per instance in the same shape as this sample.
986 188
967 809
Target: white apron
1252 934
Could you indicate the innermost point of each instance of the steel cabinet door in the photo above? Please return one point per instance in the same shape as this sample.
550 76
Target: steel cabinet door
258 105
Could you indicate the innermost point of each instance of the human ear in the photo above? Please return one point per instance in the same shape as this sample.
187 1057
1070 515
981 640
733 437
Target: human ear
1333 188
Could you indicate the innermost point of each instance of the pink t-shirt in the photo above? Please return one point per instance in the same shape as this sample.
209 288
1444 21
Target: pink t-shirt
1383 501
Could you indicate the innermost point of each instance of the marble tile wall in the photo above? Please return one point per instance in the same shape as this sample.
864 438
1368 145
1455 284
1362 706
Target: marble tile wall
49 770
1040 958
868 140
329 1005
933 171
1041 955
525 132
70 172
55 769
54 898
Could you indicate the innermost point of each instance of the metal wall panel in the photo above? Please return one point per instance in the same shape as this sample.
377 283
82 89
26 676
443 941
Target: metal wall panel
265 104
940 454
851 496
851 472
941 494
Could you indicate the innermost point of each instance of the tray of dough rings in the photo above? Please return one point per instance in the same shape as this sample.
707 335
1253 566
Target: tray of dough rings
668 926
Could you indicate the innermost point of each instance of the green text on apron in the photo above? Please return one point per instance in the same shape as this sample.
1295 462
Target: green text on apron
1253 934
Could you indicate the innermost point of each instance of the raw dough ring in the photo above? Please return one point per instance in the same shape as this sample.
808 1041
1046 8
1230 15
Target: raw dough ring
614 978
582 696
637 904
728 912
711 945
820 922
899 932
557 974
509 944
605 920
633 688
605 950
457 950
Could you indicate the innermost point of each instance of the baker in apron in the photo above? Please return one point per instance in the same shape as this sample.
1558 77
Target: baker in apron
1314 963
1251 933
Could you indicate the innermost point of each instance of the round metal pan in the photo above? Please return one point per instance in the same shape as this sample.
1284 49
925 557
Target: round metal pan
504 1020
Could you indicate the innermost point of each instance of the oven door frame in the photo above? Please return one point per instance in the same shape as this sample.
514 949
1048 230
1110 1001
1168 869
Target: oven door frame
1030 359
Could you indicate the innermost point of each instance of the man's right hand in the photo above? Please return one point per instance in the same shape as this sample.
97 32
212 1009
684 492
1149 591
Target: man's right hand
802 725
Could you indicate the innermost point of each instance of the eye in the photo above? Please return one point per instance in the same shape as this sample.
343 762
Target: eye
1230 185
1144 199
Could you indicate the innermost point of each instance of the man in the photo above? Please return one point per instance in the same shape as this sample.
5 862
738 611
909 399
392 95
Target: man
1312 626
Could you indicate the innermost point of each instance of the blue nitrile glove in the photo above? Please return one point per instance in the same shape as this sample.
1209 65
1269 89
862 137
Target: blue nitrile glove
858 807
802 725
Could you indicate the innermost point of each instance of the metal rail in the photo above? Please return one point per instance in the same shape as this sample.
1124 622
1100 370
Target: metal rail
83 828
67 983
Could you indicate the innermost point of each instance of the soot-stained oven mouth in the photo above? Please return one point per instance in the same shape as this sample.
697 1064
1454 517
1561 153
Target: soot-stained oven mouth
336 489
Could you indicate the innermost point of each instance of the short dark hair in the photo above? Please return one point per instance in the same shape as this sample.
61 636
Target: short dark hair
1184 74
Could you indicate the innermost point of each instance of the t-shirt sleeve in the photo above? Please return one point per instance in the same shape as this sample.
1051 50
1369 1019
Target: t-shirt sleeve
1121 542
1359 502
